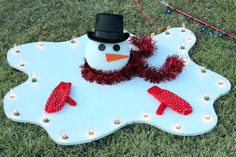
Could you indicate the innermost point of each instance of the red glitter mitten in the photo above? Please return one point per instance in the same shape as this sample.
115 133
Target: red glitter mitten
58 98
169 99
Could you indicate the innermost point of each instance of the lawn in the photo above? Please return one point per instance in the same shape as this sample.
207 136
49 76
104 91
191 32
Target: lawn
24 21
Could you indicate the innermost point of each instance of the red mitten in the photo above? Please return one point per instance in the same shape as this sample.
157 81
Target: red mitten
58 98
169 99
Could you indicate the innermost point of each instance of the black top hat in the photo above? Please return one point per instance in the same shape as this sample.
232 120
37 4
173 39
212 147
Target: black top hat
108 29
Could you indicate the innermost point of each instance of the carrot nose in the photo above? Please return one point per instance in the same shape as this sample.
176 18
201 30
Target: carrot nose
113 57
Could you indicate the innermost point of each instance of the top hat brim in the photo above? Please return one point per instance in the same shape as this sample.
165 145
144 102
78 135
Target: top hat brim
123 37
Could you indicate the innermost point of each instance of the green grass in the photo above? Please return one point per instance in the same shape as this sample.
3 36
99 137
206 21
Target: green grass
24 21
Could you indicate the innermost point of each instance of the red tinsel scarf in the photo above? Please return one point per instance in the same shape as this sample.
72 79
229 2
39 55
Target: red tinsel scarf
137 66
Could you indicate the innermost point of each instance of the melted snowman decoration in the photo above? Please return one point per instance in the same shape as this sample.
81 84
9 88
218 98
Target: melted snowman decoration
107 56
109 60
103 109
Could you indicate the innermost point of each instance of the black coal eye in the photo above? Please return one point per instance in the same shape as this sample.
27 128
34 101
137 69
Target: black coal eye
116 47
101 47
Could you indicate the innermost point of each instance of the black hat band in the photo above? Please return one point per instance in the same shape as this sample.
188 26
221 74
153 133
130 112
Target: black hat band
108 35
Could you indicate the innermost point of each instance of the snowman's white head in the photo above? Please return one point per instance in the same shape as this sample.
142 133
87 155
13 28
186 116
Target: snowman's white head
107 56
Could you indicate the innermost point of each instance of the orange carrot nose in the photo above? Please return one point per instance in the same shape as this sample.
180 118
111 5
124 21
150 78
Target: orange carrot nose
113 57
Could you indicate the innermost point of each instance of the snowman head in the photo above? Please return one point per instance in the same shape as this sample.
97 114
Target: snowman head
107 48
107 56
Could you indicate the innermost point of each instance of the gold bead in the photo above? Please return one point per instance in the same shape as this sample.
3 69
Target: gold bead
12 96
168 30
221 83
91 132
203 70
34 80
45 119
40 44
182 47
186 62
16 49
190 38
22 63
177 126
64 136
206 97
33 77
183 27
16 113
73 40
146 115
117 121
207 117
